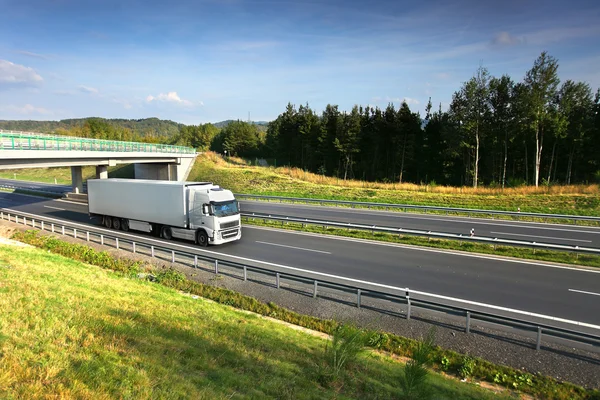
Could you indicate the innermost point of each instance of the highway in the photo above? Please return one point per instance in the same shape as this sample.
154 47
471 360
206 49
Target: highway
526 231
560 291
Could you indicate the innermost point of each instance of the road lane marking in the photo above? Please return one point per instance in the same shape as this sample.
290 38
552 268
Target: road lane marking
55 208
427 249
380 285
583 291
292 247
544 237
464 220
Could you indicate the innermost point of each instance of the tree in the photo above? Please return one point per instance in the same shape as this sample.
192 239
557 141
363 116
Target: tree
240 138
501 93
346 141
470 105
575 104
542 82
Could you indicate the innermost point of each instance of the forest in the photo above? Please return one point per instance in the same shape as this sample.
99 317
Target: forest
496 132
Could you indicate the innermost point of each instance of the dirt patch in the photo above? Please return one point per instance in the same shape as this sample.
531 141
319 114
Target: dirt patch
6 231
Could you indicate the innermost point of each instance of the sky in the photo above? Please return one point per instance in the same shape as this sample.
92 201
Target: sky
205 61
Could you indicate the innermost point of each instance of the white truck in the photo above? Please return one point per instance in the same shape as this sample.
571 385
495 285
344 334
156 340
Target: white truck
198 211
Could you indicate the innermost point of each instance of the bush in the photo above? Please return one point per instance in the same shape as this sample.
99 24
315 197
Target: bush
346 344
414 379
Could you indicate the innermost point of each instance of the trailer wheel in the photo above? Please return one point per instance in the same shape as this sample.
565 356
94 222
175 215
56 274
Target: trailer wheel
202 238
125 224
116 223
107 221
166 233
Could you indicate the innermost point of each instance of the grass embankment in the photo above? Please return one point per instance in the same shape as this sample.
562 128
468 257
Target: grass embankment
70 329
482 248
63 175
292 182
75 330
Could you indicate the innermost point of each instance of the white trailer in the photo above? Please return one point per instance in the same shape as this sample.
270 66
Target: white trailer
198 211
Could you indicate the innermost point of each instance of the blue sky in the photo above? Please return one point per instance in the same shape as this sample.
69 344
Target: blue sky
210 60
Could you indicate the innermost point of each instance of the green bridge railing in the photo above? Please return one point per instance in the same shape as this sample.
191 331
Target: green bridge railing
38 141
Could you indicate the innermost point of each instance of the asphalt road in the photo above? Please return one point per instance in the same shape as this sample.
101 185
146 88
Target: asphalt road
527 231
569 293
47 187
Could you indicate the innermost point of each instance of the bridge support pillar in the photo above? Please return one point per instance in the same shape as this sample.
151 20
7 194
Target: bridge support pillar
101 172
77 179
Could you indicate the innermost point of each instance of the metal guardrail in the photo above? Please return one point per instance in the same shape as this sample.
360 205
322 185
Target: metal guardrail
320 285
404 207
430 234
29 141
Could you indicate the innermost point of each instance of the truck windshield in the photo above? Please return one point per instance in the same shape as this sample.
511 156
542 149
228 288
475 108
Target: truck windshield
225 208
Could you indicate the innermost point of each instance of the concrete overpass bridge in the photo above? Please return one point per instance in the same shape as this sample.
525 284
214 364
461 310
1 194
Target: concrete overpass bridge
151 161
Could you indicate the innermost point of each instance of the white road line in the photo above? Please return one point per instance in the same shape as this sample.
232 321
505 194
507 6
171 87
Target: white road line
463 220
428 249
55 208
327 275
544 237
583 291
292 247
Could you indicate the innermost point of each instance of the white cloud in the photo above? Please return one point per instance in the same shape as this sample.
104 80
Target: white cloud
87 89
506 39
170 97
17 75
34 55
410 101
27 109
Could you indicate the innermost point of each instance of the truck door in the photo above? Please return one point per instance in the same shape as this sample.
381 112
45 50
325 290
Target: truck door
197 218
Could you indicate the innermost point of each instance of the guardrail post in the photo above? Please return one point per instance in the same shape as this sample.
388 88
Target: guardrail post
24 221
408 304
117 243
102 240
63 230
468 329
358 298
152 251
539 338
42 225
75 233
133 244
87 236
52 226
315 289
33 223
277 279
216 266
195 261
2 214
173 256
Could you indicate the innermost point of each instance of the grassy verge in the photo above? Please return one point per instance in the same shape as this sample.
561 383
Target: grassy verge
505 251
242 178
33 193
63 175
70 329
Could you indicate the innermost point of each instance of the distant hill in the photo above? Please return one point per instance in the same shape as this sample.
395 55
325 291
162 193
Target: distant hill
141 126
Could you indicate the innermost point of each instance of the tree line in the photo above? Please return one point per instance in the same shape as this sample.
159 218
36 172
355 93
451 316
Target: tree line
495 132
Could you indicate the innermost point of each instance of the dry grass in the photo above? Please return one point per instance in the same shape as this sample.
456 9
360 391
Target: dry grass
237 175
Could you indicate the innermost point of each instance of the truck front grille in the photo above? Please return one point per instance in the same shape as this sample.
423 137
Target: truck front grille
232 224
229 234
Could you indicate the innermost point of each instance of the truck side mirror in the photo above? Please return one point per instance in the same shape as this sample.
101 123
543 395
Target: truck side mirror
205 209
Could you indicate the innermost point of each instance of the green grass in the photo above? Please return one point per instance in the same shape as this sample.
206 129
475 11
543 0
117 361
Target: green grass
505 251
73 330
240 178
444 360
63 175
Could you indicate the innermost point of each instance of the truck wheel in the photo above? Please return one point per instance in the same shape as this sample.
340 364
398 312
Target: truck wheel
202 238
125 224
107 221
166 233
116 223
